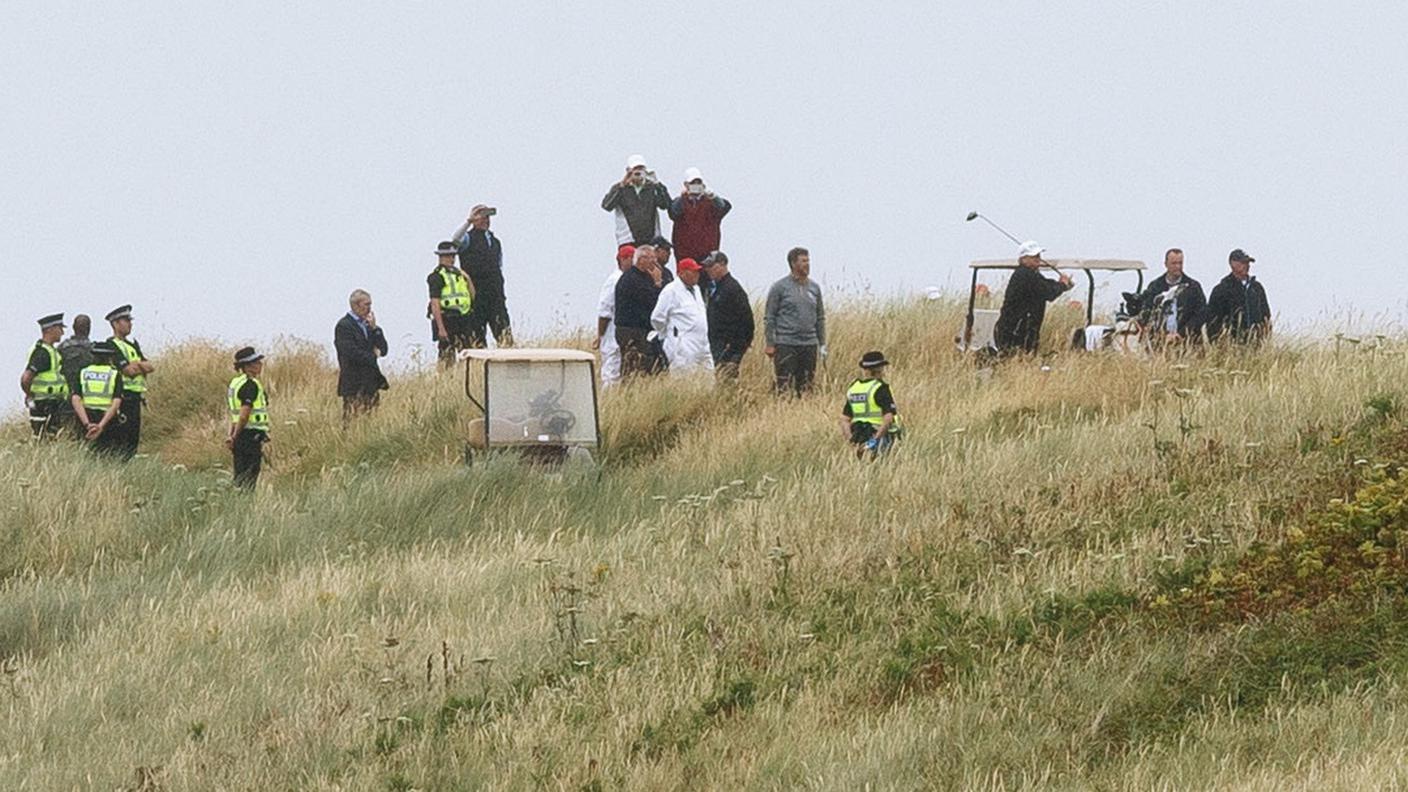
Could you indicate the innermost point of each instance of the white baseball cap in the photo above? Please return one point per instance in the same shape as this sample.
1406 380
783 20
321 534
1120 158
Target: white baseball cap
635 161
1030 248
690 174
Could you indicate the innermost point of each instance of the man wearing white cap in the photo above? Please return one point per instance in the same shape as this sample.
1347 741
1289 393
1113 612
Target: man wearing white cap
1024 302
697 214
636 202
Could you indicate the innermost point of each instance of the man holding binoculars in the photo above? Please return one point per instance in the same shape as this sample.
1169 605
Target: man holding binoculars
636 202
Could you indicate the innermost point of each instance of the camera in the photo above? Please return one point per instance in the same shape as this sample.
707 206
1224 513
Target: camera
695 189
648 177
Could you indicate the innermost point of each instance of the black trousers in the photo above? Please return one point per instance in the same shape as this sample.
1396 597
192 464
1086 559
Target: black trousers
794 368
638 355
129 431
359 403
726 360
460 329
249 457
490 311
47 417
110 442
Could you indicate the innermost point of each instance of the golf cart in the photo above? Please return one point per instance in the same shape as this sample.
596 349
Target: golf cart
980 324
539 403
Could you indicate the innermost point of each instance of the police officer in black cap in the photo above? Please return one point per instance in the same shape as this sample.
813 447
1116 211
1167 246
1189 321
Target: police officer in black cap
869 419
248 402
135 368
451 300
97 400
43 384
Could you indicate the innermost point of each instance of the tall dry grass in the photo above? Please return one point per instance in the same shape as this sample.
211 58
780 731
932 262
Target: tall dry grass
729 600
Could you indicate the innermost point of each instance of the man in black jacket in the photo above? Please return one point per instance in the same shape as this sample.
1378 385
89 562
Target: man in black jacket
360 345
1024 302
482 260
636 201
1237 307
1183 321
637 291
730 317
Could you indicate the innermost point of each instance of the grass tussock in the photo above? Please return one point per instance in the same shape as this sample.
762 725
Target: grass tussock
1117 574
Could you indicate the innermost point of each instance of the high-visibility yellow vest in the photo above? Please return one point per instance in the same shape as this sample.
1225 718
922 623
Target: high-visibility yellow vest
136 383
49 385
864 408
454 294
258 412
98 384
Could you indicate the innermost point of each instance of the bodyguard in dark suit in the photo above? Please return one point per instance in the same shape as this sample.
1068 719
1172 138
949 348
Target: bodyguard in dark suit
360 346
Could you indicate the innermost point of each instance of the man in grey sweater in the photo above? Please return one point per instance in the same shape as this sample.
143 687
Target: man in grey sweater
795 326
636 202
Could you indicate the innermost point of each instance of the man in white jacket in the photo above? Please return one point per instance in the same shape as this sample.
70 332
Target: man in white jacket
605 341
681 322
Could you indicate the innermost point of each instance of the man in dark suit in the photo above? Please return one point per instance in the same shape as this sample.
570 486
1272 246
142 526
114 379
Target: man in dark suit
360 344
482 260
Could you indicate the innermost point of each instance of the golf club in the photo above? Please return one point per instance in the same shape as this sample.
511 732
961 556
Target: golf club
976 215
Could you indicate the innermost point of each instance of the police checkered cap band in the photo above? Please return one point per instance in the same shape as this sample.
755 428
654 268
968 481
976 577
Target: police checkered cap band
52 320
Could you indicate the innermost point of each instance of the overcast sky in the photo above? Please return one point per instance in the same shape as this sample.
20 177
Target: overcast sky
234 170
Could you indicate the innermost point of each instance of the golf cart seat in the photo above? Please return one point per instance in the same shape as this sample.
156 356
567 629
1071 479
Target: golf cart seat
984 333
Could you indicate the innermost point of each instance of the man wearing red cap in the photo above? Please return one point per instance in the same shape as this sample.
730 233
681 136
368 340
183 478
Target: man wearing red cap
681 321
605 341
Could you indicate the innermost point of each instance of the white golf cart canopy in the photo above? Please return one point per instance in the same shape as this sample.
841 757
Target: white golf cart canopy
532 397
979 325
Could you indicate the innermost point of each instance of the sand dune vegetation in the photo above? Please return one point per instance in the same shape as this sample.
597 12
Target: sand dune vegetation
1177 573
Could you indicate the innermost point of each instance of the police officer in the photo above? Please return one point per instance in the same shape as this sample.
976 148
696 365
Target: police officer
97 400
43 384
135 368
870 421
451 298
249 417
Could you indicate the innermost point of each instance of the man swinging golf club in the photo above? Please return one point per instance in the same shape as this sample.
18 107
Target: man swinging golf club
1024 302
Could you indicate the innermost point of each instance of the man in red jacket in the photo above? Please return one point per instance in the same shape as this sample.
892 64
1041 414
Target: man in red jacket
697 213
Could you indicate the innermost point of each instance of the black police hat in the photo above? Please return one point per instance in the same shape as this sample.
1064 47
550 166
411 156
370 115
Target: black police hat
873 360
1240 255
247 355
120 312
104 349
52 320
446 249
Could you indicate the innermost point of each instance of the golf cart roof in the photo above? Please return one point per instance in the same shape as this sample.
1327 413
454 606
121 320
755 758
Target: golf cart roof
1112 265
525 355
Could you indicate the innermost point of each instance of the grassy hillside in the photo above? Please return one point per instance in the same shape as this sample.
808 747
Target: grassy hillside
1115 574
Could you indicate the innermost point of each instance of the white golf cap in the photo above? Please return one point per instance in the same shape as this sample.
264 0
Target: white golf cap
635 161
1030 248
690 174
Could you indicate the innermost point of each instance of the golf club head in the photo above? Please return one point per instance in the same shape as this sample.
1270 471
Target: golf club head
971 217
